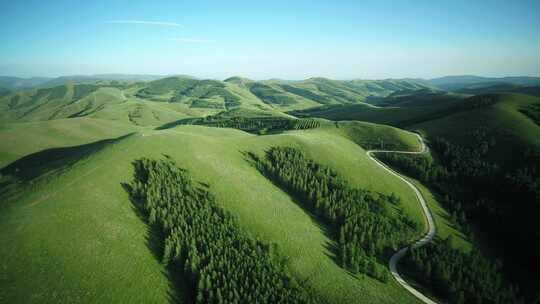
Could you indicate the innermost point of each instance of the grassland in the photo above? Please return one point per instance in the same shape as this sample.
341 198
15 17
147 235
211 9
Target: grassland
74 236
21 139
392 115
501 116
78 218
503 121
172 98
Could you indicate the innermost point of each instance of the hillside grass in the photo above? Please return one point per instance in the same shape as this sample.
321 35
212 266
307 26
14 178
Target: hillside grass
500 116
374 136
74 236
21 139
445 228
392 115
503 121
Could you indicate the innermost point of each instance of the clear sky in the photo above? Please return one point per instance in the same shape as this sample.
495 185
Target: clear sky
271 39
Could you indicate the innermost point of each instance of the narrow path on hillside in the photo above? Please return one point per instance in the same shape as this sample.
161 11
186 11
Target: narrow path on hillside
396 257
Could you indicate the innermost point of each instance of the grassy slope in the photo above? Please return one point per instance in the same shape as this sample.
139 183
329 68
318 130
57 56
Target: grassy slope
445 228
20 139
104 102
86 211
512 130
361 132
370 136
164 100
384 115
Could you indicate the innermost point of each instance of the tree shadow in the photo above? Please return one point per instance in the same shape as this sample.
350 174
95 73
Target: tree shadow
36 164
184 121
55 160
154 239
444 214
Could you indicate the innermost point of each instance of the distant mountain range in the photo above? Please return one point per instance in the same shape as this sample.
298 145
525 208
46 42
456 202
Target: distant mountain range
16 83
447 83
454 83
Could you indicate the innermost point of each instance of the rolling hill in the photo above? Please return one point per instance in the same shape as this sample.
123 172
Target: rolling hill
507 117
67 149
488 146
16 83
453 83
77 202
164 100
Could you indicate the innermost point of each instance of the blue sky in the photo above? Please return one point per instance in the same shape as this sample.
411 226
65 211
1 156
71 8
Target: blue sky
271 39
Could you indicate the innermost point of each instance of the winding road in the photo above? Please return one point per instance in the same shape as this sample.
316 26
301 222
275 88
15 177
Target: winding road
396 257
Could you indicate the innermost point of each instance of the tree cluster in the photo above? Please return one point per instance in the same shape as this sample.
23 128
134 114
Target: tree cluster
362 225
533 112
500 200
460 277
257 125
222 263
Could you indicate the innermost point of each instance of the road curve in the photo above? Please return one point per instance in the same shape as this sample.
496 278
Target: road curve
396 257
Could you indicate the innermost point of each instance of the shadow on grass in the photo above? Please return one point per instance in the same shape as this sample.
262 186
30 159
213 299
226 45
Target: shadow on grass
178 293
180 122
33 165
446 216
57 160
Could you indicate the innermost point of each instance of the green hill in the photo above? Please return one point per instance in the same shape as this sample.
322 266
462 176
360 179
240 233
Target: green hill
503 88
172 98
4 92
392 115
21 139
91 100
509 116
66 151
503 117
486 163
452 83
77 217
17 83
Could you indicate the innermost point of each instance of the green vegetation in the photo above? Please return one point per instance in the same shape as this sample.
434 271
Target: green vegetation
533 112
374 136
256 125
21 139
332 213
358 218
501 121
403 113
173 98
306 94
166 85
452 83
4 92
500 116
460 277
82 206
222 263
271 96
475 191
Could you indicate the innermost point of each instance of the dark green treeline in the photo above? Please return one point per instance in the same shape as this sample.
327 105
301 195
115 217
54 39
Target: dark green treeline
359 220
221 262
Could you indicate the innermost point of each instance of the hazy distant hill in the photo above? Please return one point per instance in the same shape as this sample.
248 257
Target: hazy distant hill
17 83
14 83
452 83
171 98
4 92
100 77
